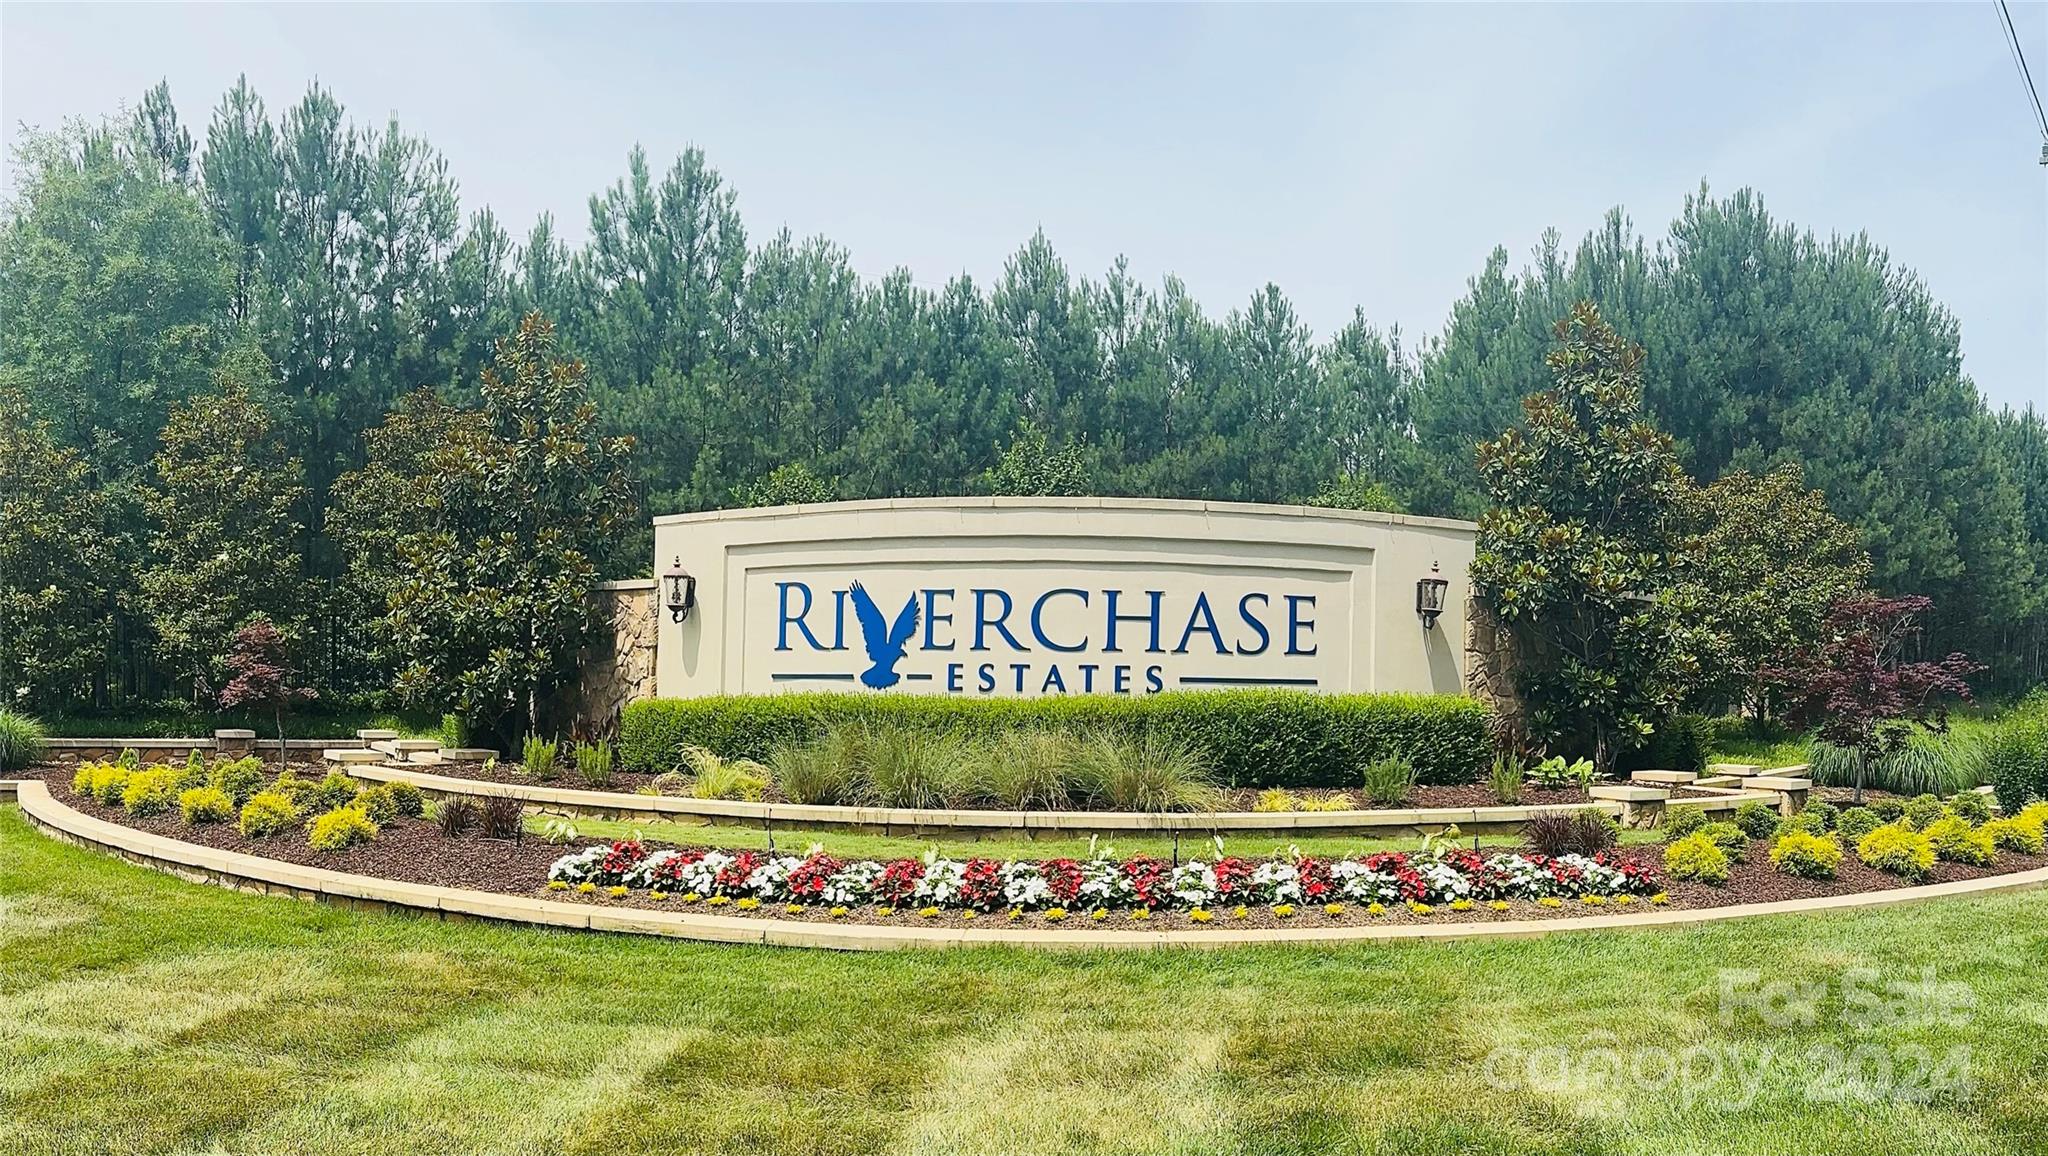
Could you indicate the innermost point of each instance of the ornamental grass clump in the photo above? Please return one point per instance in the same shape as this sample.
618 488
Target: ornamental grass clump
594 764
1153 773
340 829
1274 800
501 818
826 772
456 814
266 813
205 805
1583 832
537 757
1388 781
1506 777
1807 855
22 740
1024 769
1899 850
1954 840
717 778
906 767
1696 857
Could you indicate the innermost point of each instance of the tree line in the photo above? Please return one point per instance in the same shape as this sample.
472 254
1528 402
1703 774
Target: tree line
204 335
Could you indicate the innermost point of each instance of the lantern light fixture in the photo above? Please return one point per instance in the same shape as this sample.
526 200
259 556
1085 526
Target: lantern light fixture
1429 596
681 587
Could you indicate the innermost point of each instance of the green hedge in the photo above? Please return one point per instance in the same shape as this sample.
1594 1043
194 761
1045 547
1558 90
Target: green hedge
1255 738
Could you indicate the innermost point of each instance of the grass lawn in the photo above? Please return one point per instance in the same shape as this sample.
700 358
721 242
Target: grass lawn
141 1013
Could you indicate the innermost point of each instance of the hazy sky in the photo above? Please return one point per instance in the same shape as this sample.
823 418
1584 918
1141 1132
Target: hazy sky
1354 156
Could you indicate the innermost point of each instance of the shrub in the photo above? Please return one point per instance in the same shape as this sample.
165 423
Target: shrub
1023 770
1758 819
1731 839
456 814
111 782
2014 835
1679 743
594 764
377 804
205 805
340 829
1923 810
1250 737
1582 832
1682 821
1696 857
410 802
1806 821
1970 806
1337 802
500 818
1856 822
1888 810
2016 763
192 774
1955 840
238 778
1807 855
150 792
1388 781
304 794
336 790
1828 812
22 740
266 813
1898 850
1274 799
537 755
1506 778
725 778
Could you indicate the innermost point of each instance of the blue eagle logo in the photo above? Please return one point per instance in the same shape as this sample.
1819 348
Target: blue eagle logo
884 643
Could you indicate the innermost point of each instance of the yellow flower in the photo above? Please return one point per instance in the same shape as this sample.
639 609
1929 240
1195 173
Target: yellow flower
693 897
1016 913
1284 910
1550 901
1142 913
748 904
1499 905
967 914
1624 900
1240 912
657 896
1333 909
1055 914
1200 915
1098 915
1375 909
793 909
616 892
930 913
586 888
1420 908
718 900
557 885
838 913
1593 900
1461 905
885 912
1659 899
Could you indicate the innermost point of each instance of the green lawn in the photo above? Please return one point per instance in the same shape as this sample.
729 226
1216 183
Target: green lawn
141 1013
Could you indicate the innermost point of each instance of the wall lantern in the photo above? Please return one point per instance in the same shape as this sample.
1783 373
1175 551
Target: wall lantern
1429 596
682 590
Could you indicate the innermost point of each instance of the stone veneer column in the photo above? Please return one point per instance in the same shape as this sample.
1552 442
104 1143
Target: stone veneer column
619 667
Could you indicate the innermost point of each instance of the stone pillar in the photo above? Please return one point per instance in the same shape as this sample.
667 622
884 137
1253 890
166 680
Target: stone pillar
1489 670
233 744
618 668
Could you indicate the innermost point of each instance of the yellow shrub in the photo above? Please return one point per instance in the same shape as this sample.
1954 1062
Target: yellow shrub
150 792
1955 840
1274 799
205 805
340 829
267 813
1806 855
1696 857
2014 835
1898 849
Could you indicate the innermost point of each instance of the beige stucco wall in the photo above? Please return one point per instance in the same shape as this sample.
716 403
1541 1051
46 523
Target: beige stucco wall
1321 599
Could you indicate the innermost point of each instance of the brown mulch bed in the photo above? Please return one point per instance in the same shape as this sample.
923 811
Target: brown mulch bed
415 851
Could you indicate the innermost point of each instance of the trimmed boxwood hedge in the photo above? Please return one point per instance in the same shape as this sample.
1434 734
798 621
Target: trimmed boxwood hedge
1255 738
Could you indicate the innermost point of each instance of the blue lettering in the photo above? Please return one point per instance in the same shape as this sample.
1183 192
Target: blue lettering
953 678
1244 611
982 621
1153 683
1201 620
1088 670
985 677
1019 668
839 620
1123 679
932 618
1150 617
797 620
1038 621
1296 624
1053 679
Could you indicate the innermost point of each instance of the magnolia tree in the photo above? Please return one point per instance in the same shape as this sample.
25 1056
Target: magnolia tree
1856 685
259 678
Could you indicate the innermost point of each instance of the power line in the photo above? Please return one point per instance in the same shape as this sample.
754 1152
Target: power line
2019 58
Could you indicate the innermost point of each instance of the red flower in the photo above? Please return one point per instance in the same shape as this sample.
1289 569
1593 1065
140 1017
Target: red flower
808 878
981 883
1314 874
1232 873
1062 878
899 880
1147 878
733 876
620 859
671 870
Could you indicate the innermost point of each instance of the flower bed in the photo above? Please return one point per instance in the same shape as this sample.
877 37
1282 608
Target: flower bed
1445 876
